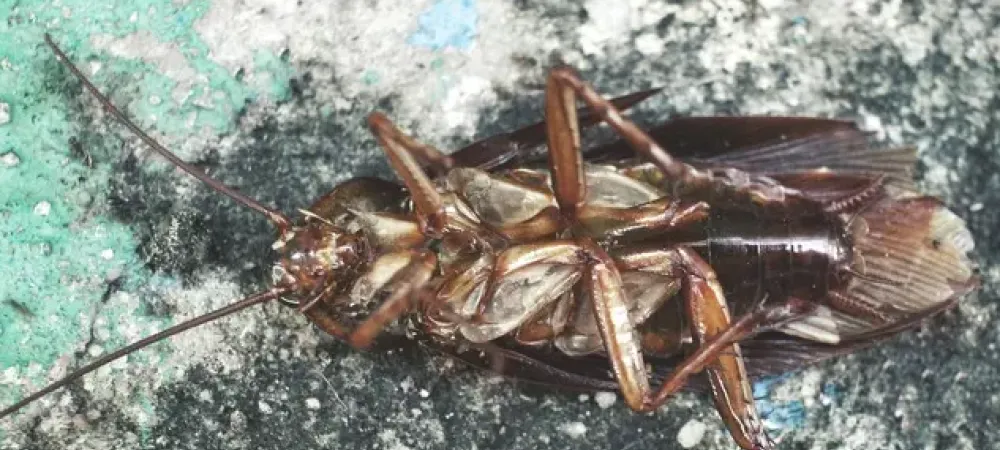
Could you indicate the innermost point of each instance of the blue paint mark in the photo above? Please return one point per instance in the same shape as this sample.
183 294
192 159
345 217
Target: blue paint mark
831 392
447 23
777 415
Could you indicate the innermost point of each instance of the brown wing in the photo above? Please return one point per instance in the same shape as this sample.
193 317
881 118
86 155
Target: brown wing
762 145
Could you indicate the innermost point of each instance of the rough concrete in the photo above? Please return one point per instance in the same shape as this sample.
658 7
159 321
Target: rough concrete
102 243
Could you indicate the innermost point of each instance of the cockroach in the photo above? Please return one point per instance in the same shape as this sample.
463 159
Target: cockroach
755 245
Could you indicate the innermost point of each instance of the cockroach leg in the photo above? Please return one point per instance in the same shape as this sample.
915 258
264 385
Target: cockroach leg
717 338
401 150
547 222
621 341
565 159
657 216
408 284
524 280
509 149
567 85
426 155
709 317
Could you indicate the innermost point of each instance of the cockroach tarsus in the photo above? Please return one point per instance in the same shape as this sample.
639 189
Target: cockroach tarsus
755 245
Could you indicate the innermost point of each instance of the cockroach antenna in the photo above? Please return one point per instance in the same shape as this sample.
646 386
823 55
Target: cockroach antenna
255 299
280 221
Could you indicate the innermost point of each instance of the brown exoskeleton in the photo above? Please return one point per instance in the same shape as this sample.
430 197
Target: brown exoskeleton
773 243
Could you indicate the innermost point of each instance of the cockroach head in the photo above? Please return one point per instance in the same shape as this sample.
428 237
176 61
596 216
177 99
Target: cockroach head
318 259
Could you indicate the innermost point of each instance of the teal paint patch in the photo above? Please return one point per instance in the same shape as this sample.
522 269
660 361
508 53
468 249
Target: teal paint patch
447 23
277 72
370 77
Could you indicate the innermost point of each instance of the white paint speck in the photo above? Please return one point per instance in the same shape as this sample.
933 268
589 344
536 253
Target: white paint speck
605 399
10 159
976 207
264 407
312 403
107 254
691 433
424 394
43 208
4 113
95 66
574 429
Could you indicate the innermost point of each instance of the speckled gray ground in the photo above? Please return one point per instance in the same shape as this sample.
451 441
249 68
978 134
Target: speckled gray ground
919 72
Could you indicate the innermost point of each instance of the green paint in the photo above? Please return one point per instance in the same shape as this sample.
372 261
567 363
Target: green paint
278 71
370 77
53 263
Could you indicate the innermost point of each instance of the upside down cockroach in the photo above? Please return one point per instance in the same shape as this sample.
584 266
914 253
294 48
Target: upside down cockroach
755 245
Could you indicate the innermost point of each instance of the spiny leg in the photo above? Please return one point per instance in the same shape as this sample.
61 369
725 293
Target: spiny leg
723 363
519 146
569 183
401 150
621 340
567 85
565 160
718 353
405 285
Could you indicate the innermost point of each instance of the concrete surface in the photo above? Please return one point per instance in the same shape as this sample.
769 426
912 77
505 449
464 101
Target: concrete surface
103 243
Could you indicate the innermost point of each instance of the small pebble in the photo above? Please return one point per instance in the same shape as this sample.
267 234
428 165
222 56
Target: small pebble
108 254
605 399
43 208
574 429
424 394
976 207
312 403
649 44
4 113
155 100
10 159
264 407
691 434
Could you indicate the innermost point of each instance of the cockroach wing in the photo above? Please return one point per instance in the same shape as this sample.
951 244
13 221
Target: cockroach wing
768 146
911 258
